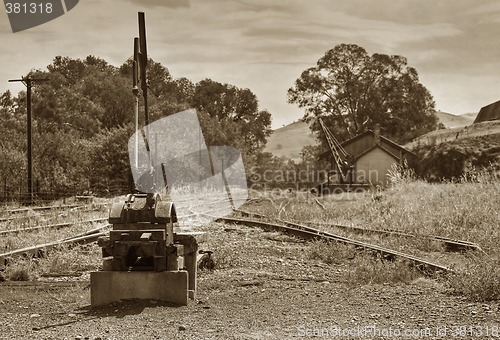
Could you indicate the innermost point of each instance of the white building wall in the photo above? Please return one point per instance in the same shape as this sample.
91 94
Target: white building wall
373 167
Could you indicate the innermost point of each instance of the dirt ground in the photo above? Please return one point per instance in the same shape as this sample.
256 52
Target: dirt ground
266 287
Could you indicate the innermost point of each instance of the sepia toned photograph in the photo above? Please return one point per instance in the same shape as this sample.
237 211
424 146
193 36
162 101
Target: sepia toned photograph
186 169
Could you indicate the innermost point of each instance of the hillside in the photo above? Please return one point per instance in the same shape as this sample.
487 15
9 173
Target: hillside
448 135
453 121
452 159
289 140
471 115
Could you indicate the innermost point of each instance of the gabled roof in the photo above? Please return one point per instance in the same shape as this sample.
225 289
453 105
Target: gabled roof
488 112
383 140
396 157
370 132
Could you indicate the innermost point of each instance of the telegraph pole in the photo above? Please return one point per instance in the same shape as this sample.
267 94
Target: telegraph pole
28 82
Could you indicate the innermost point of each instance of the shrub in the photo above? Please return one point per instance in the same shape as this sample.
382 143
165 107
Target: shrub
479 281
331 252
364 267
19 275
450 160
370 270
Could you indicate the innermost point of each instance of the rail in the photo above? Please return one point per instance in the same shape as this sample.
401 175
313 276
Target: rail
451 244
309 233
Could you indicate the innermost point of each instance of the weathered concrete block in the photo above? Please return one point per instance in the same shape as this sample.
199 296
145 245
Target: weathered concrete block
110 286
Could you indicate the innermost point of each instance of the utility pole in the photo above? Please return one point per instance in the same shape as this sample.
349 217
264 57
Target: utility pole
28 82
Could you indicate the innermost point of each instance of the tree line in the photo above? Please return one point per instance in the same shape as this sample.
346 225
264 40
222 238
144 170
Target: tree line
352 91
83 118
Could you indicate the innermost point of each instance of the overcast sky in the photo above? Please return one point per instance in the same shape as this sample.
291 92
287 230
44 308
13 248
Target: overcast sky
264 45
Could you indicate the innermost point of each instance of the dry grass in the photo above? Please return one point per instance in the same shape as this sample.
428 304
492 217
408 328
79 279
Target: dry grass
479 281
331 252
465 210
66 259
363 267
19 275
29 238
369 270
61 261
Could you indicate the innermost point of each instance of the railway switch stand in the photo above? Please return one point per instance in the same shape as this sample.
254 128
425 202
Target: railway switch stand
206 261
142 257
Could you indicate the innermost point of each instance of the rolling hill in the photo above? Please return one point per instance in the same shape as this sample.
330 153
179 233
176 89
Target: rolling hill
289 140
456 133
453 121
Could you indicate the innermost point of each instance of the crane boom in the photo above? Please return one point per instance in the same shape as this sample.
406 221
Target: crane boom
340 156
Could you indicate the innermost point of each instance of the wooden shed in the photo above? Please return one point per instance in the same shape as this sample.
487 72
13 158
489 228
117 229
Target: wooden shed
488 112
373 156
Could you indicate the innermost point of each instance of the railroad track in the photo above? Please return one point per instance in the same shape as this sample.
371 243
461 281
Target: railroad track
203 260
17 216
49 226
450 244
41 249
192 213
50 207
309 233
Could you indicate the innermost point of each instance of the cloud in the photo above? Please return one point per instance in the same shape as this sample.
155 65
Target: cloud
264 6
264 45
284 32
409 11
458 93
484 14
161 3
488 9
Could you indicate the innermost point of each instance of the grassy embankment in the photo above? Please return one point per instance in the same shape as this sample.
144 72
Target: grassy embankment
465 210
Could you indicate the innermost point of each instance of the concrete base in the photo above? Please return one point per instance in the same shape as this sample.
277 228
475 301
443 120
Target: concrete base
110 286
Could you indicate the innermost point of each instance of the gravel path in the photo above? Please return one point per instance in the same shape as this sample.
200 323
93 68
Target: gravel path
265 288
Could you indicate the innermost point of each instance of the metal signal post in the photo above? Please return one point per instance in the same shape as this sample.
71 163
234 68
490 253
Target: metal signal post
135 92
28 82
143 63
